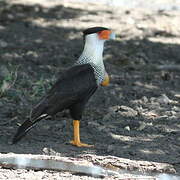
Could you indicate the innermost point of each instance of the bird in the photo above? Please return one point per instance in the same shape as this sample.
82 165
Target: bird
75 86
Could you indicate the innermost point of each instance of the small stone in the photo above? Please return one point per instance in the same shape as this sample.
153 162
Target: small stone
127 111
142 126
5 86
127 128
123 110
163 99
145 99
38 40
2 27
93 124
110 148
3 44
166 76
45 150
175 108
170 113
177 95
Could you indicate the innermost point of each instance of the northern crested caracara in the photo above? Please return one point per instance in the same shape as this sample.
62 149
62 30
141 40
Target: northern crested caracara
75 86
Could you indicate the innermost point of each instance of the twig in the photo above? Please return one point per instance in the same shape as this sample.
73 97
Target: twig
76 165
42 162
14 81
15 74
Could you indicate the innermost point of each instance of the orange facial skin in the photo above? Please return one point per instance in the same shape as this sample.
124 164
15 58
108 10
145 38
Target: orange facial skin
105 34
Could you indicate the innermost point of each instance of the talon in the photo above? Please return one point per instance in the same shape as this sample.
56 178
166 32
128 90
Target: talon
76 141
79 144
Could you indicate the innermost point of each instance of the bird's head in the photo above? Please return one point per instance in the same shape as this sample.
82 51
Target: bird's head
94 41
93 50
98 33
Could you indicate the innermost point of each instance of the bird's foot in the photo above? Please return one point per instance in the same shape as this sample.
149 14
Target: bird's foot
79 144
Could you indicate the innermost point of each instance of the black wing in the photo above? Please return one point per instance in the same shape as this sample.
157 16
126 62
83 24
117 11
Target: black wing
71 91
75 85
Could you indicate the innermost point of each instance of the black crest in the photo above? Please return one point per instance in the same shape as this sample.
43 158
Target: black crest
94 30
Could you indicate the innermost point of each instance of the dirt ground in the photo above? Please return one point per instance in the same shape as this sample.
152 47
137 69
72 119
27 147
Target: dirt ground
136 117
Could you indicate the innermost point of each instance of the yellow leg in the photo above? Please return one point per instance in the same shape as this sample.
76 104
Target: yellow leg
106 81
77 141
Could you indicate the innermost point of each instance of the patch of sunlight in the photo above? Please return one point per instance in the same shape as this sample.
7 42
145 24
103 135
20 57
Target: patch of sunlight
69 23
42 22
148 86
177 95
44 3
165 40
147 151
129 138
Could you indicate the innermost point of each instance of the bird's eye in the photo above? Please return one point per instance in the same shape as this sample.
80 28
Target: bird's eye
104 34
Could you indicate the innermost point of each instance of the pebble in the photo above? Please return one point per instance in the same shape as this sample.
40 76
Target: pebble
163 99
126 111
3 44
127 128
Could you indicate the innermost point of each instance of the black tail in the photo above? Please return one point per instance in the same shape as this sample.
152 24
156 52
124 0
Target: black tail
24 128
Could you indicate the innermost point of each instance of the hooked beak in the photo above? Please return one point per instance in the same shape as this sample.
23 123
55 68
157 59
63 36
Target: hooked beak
112 35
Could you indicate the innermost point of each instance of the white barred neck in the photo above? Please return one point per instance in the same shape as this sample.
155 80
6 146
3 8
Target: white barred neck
93 55
93 50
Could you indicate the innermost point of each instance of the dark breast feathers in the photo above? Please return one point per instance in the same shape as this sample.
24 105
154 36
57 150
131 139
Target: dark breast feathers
71 91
